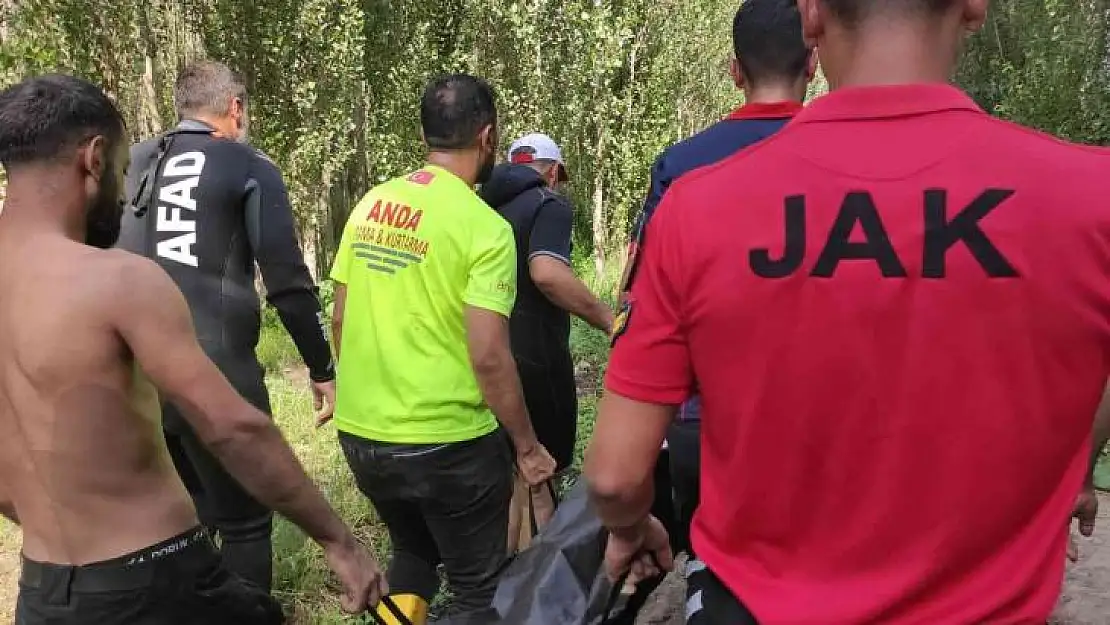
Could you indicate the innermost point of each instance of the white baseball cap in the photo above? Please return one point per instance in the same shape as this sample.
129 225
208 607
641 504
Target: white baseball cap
537 147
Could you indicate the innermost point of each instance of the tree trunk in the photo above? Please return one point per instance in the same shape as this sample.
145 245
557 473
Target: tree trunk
150 118
600 229
7 9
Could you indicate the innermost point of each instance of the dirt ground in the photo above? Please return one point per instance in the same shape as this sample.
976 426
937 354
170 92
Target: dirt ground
1085 601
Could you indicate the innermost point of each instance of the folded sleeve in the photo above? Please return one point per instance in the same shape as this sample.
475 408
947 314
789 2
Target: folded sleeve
491 281
650 359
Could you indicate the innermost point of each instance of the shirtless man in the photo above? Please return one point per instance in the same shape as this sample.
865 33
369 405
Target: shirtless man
87 335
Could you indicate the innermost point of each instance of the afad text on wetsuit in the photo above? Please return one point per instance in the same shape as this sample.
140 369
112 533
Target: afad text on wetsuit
176 223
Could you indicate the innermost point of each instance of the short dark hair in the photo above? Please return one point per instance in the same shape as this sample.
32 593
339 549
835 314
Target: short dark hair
767 40
455 109
42 117
852 11
207 87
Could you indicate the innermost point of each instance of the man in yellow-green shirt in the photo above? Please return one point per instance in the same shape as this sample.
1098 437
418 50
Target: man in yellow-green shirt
426 280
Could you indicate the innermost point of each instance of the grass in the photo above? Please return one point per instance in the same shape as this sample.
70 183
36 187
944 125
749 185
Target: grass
301 579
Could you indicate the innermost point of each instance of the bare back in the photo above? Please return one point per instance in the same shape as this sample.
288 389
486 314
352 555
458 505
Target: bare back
82 455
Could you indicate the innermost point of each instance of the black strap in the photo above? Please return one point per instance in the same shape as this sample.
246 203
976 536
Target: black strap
532 513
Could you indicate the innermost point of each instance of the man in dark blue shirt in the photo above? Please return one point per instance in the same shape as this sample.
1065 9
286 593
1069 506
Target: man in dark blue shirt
773 67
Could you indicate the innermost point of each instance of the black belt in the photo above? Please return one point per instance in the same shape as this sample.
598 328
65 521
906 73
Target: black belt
135 571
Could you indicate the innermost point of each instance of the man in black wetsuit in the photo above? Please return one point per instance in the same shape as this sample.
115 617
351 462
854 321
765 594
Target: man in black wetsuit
214 207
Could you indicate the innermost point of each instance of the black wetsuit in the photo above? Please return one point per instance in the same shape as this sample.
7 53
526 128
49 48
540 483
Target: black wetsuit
213 209
539 330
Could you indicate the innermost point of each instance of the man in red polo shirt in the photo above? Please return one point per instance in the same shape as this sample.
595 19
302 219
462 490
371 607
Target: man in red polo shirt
897 314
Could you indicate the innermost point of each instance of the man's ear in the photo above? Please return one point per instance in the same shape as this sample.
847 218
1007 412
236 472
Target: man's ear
238 111
488 137
975 14
811 65
813 21
93 157
736 72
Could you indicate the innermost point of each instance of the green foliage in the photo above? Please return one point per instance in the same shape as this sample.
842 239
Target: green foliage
335 84
1102 470
1045 64
327 296
276 350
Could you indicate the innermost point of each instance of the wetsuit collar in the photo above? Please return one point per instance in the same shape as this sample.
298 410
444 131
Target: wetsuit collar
194 125
766 110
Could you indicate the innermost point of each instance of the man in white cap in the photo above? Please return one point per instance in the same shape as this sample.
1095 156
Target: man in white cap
526 191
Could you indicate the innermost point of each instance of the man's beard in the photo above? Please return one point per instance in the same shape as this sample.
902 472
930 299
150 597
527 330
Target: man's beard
102 223
486 170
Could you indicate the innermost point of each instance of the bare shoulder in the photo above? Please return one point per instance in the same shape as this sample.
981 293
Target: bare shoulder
131 283
131 275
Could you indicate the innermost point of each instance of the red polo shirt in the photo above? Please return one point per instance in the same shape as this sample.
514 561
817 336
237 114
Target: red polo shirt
897 314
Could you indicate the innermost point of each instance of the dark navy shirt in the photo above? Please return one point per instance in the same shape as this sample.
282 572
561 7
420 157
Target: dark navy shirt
746 126
541 220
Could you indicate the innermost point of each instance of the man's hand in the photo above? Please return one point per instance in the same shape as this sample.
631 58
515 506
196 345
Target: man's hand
323 401
1086 512
644 551
535 463
363 582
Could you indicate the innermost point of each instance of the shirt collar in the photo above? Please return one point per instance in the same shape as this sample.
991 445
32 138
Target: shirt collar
445 174
885 102
766 110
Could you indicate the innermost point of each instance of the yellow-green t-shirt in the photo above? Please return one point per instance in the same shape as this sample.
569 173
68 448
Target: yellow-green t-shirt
415 252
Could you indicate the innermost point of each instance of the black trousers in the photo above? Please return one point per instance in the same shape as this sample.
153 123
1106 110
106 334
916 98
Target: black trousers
178 582
444 504
709 602
244 525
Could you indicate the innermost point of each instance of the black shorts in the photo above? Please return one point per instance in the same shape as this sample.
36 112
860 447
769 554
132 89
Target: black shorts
177 582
